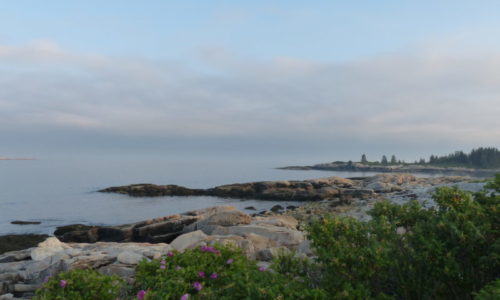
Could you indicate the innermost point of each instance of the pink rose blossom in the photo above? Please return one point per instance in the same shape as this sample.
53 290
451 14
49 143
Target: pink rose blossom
141 294
197 286
63 283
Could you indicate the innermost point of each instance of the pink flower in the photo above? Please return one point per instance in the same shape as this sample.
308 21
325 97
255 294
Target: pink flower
185 297
63 283
262 269
163 267
201 274
178 268
197 286
141 294
214 275
162 262
229 261
170 254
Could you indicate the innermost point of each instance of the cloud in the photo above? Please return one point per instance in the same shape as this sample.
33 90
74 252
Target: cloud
424 95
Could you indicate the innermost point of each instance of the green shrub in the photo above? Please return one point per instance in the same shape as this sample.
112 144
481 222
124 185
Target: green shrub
490 292
410 252
227 274
81 285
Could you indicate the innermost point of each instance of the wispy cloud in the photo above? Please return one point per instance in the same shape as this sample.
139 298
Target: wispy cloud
427 95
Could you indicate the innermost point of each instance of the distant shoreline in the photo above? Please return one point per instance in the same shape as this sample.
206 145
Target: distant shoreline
17 158
359 167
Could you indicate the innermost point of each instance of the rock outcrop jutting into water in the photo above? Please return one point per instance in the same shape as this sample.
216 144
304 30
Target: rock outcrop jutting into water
305 190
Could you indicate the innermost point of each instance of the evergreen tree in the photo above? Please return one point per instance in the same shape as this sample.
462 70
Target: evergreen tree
384 160
363 159
477 158
393 160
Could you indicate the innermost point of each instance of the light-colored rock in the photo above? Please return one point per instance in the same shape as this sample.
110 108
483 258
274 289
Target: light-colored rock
283 236
260 241
305 248
187 240
48 248
280 221
23 288
8 296
129 258
226 218
124 271
15 255
91 261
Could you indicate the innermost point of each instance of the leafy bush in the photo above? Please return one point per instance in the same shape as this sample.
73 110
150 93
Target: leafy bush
81 285
490 292
216 273
409 252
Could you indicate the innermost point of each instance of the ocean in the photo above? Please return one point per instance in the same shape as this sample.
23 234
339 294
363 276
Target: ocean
59 192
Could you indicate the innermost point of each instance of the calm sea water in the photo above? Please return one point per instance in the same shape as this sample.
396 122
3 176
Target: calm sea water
61 192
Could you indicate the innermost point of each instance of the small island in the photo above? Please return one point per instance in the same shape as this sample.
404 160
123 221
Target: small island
480 162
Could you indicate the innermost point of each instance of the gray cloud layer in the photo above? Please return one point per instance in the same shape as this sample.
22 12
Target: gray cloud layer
401 97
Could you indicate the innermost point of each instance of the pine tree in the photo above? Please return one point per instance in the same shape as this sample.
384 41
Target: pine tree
363 159
393 160
384 160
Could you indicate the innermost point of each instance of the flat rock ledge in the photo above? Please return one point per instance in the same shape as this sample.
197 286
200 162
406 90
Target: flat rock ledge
341 190
261 238
305 190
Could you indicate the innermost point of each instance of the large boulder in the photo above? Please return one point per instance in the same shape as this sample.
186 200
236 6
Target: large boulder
188 240
48 248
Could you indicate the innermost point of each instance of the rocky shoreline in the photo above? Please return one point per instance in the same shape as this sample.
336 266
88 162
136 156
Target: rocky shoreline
260 237
414 169
117 249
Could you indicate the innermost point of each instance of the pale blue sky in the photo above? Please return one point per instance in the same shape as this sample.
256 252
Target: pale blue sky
316 30
411 77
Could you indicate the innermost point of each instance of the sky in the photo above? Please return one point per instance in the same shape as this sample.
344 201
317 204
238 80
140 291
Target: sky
298 80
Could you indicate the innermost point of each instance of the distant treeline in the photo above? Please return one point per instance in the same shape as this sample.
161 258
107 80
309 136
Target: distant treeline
481 158
484 158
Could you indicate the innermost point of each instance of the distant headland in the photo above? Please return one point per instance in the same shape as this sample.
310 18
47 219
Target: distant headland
481 162
16 158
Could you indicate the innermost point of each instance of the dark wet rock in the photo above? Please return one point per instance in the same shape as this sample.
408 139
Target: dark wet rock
250 208
277 208
19 242
291 207
18 222
153 190
305 190
158 230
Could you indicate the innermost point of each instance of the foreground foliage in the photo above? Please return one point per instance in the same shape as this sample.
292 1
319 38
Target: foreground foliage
82 285
410 252
217 273
450 251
